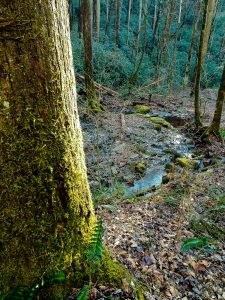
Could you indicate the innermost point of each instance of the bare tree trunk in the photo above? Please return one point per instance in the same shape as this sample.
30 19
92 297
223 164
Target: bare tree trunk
135 75
173 61
156 27
80 19
167 41
154 17
188 64
98 10
203 44
46 207
128 21
108 19
161 41
117 21
92 101
215 126
136 46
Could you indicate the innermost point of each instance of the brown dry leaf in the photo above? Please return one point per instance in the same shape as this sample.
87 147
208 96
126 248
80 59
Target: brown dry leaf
174 291
132 262
93 293
202 265
125 285
191 261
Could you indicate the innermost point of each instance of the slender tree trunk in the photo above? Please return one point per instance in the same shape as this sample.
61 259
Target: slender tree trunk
173 61
135 75
46 207
203 44
92 15
136 46
215 126
188 64
167 40
154 17
92 101
128 21
156 27
161 41
222 47
117 21
80 19
108 19
98 9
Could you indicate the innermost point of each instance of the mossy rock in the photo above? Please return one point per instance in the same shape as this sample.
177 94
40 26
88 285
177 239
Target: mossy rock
160 121
138 167
157 127
169 167
143 109
186 163
155 120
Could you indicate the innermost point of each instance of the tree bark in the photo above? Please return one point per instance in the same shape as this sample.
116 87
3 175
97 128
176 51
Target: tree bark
161 41
203 44
188 64
215 126
173 61
46 207
128 21
156 27
167 40
92 101
134 77
117 21
108 18
136 46
98 9
80 19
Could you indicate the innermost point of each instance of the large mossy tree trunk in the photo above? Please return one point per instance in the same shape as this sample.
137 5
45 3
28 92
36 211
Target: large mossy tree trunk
215 126
46 207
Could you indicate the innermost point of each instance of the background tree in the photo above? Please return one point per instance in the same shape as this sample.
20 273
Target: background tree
173 61
128 20
136 45
215 126
167 38
117 21
92 100
98 12
203 44
46 207
188 63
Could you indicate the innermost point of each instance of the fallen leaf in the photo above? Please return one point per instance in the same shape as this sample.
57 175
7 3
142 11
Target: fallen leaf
202 265
125 285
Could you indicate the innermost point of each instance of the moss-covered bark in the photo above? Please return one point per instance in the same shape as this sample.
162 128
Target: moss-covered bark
45 200
215 126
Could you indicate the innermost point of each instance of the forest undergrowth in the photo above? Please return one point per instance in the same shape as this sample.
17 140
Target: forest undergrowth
171 239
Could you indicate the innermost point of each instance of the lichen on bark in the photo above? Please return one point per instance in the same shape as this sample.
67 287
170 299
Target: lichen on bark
44 194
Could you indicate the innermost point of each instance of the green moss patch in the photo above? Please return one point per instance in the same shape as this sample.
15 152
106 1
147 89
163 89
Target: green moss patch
186 163
142 109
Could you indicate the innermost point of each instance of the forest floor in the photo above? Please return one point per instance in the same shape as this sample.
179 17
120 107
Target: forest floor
163 222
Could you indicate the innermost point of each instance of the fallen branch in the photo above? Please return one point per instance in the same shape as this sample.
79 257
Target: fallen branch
99 86
143 87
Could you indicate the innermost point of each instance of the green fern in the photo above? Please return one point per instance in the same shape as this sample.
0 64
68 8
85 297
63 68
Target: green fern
26 293
94 253
84 293
195 243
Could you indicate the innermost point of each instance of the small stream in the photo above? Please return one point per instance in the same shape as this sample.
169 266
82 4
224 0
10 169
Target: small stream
142 143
